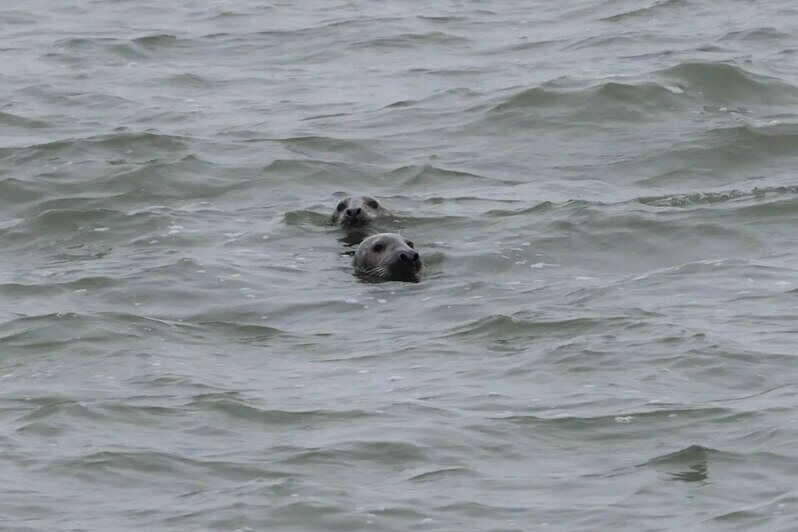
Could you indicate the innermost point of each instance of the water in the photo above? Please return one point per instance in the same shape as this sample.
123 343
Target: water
604 194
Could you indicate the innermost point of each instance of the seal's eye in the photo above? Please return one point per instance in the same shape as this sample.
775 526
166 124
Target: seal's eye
378 248
341 206
409 243
373 204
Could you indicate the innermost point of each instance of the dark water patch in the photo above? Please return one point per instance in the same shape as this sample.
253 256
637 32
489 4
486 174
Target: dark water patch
69 234
542 207
688 454
530 46
157 41
752 519
406 40
70 220
351 151
114 148
246 333
697 463
22 122
757 35
113 467
58 330
443 19
16 192
730 84
502 327
142 415
626 40
440 101
165 181
382 453
189 81
53 420
743 198
722 153
657 9
615 100
240 410
618 424
142 48
708 198
79 99
532 98
314 171
427 176
18 17
439 474
756 141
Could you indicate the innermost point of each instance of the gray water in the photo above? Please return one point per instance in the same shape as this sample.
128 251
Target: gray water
604 194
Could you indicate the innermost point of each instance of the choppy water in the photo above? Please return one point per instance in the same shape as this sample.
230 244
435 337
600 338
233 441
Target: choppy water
605 196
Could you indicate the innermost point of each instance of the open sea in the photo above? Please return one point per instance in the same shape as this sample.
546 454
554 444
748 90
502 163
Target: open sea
605 198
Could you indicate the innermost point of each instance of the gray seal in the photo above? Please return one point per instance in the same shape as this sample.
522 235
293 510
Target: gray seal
358 211
387 257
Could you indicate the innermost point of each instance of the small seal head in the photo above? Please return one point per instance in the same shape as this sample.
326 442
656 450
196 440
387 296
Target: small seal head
357 211
387 257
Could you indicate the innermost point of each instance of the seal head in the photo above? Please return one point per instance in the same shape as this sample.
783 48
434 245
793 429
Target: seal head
387 257
357 211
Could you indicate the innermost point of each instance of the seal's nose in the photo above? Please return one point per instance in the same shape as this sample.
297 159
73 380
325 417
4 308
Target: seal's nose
352 213
409 257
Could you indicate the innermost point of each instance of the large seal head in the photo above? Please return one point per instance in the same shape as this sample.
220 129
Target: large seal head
387 257
357 211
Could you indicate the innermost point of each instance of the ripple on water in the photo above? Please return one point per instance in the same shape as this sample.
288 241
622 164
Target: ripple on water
604 198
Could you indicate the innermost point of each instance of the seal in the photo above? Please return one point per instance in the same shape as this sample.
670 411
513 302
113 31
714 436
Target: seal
358 211
387 257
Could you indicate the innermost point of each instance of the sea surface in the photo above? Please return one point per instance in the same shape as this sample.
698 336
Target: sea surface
605 197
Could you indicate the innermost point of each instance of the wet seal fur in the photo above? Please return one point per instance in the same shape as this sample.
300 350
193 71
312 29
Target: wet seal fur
387 257
358 211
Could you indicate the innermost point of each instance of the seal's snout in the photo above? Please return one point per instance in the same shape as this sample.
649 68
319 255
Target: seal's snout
408 261
353 213
409 257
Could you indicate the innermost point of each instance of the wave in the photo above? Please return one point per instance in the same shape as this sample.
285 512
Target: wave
500 325
660 92
766 35
707 198
619 101
115 146
237 408
648 13
135 48
726 83
406 40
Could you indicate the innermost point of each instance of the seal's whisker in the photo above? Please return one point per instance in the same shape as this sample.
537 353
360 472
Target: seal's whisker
378 271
